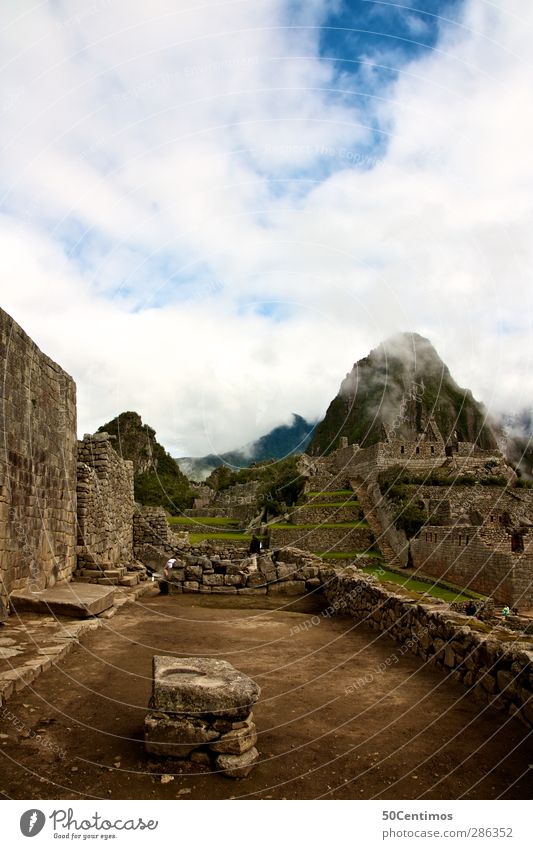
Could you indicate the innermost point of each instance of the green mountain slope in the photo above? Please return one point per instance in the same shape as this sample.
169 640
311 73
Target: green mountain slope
158 478
280 442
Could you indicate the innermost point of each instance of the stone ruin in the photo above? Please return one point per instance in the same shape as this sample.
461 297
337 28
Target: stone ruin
201 710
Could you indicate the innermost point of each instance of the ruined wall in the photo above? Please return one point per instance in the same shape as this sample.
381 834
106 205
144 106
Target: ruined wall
37 466
105 504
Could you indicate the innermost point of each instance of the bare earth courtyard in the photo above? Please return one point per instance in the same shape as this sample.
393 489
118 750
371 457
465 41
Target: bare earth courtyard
343 713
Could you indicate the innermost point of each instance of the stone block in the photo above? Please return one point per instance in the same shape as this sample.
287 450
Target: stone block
190 586
172 736
201 686
237 741
213 580
287 588
238 766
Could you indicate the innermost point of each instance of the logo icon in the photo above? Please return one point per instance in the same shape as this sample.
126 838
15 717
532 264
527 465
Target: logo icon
32 822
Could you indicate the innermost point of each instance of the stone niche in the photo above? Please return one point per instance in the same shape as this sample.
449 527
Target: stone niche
37 466
201 710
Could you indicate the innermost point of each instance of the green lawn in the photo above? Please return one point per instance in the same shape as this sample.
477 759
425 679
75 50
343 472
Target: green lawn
418 585
224 537
337 504
330 493
208 521
347 555
285 526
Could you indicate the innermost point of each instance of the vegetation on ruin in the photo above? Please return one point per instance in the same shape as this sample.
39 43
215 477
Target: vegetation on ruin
157 478
280 483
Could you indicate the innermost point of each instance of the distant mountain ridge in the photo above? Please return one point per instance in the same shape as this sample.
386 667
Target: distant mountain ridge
400 384
280 442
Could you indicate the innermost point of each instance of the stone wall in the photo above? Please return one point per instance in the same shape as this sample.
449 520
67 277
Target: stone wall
494 666
205 572
322 538
37 466
105 504
350 511
461 556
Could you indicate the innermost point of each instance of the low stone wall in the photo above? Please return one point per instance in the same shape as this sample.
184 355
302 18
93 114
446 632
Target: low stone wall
497 671
199 573
322 538
350 512
105 504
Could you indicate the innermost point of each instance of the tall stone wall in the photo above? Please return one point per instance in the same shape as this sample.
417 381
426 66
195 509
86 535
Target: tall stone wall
37 466
105 504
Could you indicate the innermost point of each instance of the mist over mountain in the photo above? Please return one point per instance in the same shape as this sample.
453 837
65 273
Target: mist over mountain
515 437
278 443
399 385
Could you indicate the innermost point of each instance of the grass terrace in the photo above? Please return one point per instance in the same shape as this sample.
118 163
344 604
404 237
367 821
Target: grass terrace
286 526
420 586
210 521
228 536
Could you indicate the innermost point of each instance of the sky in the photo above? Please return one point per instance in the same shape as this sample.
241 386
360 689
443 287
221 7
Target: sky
210 210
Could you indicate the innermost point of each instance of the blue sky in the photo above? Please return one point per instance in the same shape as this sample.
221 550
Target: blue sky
197 201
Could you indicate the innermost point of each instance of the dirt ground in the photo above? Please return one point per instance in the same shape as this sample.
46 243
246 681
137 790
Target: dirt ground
330 723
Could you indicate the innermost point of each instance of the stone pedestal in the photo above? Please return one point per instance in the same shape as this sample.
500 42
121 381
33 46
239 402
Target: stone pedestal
201 709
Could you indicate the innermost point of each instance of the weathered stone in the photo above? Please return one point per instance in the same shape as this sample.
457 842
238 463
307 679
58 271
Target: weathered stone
255 580
200 756
449 657
174 736
73 600
288 588
506 681
213 580
237 741
200 686
238 766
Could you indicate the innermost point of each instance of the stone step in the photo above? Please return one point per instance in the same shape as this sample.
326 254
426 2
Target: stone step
76 600
130 580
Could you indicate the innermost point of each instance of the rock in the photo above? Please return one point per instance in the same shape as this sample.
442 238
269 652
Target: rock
173 736
237 741
237 766
200 686
166 779
288 588
200 756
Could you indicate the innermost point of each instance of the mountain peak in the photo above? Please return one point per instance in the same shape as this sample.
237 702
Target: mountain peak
403 383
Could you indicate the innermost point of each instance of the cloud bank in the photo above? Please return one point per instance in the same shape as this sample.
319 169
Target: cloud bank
208 213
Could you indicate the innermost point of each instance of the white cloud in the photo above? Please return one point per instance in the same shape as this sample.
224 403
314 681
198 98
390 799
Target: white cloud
167 171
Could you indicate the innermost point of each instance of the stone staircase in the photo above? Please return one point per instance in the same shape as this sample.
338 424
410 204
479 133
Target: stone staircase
112 575
392 543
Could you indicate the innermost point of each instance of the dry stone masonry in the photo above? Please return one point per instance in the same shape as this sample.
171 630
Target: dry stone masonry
105 505
201 709
37 466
